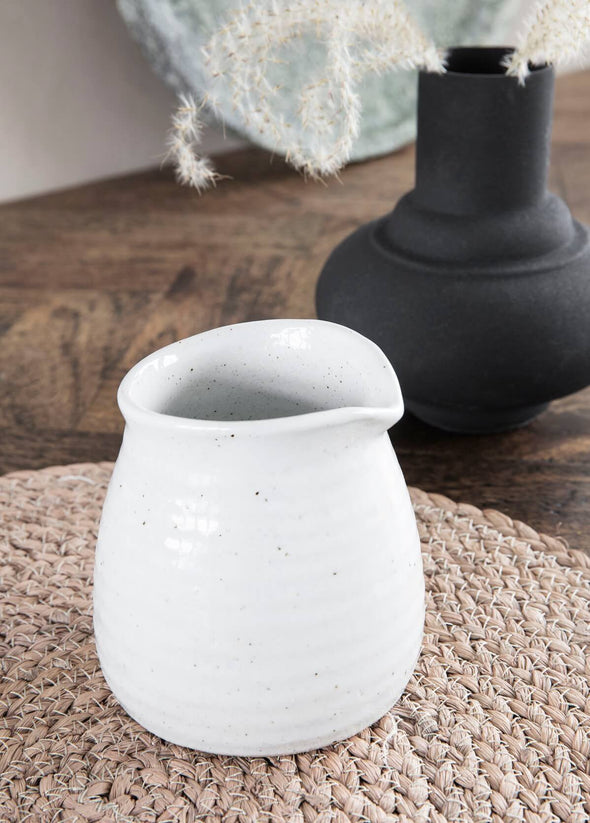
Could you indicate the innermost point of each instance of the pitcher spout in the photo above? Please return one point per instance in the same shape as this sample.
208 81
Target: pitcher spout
369 419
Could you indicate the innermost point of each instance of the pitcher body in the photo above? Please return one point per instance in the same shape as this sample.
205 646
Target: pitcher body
258 580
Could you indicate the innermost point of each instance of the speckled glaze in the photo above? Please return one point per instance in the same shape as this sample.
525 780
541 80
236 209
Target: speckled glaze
258 583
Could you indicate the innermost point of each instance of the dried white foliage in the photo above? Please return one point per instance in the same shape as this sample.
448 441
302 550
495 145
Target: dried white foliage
183 140
358 38
558 32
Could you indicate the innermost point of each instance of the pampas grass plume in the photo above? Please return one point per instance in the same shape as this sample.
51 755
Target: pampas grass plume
381 33
558 32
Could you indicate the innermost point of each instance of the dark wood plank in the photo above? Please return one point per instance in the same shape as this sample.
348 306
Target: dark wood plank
539 474
53 447
94 278
56 354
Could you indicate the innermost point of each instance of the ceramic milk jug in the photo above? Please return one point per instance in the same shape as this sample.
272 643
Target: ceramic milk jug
258 582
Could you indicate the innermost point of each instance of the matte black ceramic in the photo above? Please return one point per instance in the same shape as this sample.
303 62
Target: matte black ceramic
477 284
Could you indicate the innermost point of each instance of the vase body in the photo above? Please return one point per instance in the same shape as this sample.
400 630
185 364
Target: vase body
477 284
258 580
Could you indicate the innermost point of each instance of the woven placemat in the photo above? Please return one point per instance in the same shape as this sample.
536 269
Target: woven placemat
494 725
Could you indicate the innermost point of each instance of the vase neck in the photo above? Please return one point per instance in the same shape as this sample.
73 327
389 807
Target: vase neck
483 138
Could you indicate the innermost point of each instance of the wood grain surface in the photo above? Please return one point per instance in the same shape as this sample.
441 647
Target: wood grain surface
94 278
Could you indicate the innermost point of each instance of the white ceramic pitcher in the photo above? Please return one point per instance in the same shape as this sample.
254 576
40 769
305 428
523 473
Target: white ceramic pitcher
258 582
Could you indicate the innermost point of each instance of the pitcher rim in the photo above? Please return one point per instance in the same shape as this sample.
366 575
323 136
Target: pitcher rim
135 412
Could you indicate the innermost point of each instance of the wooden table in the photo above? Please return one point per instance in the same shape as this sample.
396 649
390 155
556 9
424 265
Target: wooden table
94 278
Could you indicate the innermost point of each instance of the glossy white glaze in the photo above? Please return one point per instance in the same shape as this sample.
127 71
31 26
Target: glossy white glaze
258 582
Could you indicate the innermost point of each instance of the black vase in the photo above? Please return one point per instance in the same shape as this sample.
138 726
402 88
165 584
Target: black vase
477 284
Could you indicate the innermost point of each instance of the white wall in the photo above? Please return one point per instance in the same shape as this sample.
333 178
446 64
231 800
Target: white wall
78 101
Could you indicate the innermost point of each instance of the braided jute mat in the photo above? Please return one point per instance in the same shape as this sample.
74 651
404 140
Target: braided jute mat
494 725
